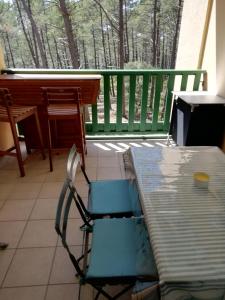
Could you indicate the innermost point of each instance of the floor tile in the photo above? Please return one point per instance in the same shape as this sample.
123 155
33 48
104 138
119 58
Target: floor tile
39 233
16 210
109 173
29 267
91 173
5 190
74 234
63 270
91 162
68 292
9 163
36 162
5 260
33 175
6 174
11 232
57 175
82 188
74 213
44 208
23 293
92 150
105 162
86 292
50 190
24 191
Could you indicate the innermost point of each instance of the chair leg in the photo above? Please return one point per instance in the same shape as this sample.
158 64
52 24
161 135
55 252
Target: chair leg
40 135
83 157
18 150
50 147
101 291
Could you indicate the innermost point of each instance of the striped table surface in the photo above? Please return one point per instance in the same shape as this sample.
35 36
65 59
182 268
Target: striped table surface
186 223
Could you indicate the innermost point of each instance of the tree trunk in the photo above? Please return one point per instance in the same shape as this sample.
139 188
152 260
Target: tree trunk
115 51
133 47
6 52
49 47
176 35
127 54
71 36
121 34
158 44
154 33
94 46
85 56
10 49
57 54
103 39
36 32
44 45
29 43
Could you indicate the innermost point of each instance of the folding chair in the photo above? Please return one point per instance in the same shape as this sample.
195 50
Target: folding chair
115 198
120 249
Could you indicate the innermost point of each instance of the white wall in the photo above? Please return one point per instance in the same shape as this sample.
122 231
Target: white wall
220 47
192 26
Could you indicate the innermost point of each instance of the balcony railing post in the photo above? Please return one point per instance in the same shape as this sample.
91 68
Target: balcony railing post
132 97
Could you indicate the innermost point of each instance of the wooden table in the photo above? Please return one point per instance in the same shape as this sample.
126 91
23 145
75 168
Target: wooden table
186 223
25 89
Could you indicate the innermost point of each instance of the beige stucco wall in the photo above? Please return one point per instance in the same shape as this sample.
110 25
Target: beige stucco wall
220 50
192 26
220 46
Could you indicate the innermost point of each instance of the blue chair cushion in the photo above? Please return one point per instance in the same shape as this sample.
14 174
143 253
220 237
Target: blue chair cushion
113 197
120 249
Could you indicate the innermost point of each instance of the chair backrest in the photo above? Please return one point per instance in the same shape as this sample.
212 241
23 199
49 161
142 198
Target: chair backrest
67 196
61 95
72 164
5 97
6 102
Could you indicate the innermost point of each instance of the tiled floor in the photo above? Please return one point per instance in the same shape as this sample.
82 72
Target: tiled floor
35 265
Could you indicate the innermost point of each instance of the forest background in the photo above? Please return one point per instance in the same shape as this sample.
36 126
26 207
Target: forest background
90 34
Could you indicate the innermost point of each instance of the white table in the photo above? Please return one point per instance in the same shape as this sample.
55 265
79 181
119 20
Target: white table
186 223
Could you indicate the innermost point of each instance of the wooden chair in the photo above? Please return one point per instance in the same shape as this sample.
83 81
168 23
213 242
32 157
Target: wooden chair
13 113
63 103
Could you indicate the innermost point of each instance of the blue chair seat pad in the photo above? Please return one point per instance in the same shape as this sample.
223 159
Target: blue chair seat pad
121 249
113 196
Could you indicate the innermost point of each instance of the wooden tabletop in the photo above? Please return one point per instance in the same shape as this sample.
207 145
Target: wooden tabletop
26 88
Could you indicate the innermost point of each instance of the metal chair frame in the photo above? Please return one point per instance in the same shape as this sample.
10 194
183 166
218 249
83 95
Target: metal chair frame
72 165
67 196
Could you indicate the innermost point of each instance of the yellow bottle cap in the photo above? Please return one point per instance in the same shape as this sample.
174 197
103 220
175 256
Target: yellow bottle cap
201 179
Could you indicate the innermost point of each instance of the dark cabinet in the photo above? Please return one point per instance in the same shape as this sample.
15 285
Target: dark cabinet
198 120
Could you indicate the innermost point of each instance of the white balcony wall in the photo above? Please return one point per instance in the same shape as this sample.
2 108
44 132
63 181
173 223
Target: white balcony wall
191 31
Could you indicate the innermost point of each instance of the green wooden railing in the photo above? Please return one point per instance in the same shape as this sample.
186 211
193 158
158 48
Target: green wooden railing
133 101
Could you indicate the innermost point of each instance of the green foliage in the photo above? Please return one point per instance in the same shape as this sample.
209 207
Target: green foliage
86 22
